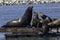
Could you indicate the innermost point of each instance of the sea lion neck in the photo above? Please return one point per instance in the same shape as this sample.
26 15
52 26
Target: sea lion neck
36 15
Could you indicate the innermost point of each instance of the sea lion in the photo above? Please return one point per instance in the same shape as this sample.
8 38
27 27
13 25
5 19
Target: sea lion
24 21
36 21
43 16
52 23
46 18
55 24
45 27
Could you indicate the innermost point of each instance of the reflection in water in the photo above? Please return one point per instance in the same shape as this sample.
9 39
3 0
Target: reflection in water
2 36
34 38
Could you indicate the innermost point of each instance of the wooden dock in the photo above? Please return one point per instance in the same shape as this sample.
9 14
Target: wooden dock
25 32
20 30
13 33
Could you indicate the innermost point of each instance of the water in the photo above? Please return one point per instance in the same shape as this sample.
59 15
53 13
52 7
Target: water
35 38
39 38
8 13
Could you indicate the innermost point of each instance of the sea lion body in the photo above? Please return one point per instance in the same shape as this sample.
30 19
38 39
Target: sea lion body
44 17
55 22
23 22
45 20
45 27
36 21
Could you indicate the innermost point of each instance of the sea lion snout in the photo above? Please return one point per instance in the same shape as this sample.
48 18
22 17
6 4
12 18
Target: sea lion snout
41 13
35 15
30 7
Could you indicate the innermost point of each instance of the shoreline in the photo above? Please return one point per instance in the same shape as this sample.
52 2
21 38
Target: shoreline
1 4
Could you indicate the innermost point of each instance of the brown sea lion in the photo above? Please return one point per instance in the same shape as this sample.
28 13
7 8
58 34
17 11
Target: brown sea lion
45 21
45 27
55 24
36 21
23 22
52 23
43 16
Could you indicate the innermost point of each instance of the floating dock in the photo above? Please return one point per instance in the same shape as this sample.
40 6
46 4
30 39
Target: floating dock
26 32
20 30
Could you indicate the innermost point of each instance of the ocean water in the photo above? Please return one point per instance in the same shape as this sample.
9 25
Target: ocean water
8 13
35 38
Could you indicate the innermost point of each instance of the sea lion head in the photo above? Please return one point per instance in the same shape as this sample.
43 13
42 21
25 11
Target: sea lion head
35 15
28 11
41 13
27 17
30 7
45 17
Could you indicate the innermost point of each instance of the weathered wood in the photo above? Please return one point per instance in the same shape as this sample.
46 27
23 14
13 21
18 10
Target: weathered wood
19 30
22 30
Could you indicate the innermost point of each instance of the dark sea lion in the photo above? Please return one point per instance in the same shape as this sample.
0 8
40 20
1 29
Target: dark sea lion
36 21
23 22
45 27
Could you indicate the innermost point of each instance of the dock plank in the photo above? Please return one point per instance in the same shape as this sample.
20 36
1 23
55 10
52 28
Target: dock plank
19 29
